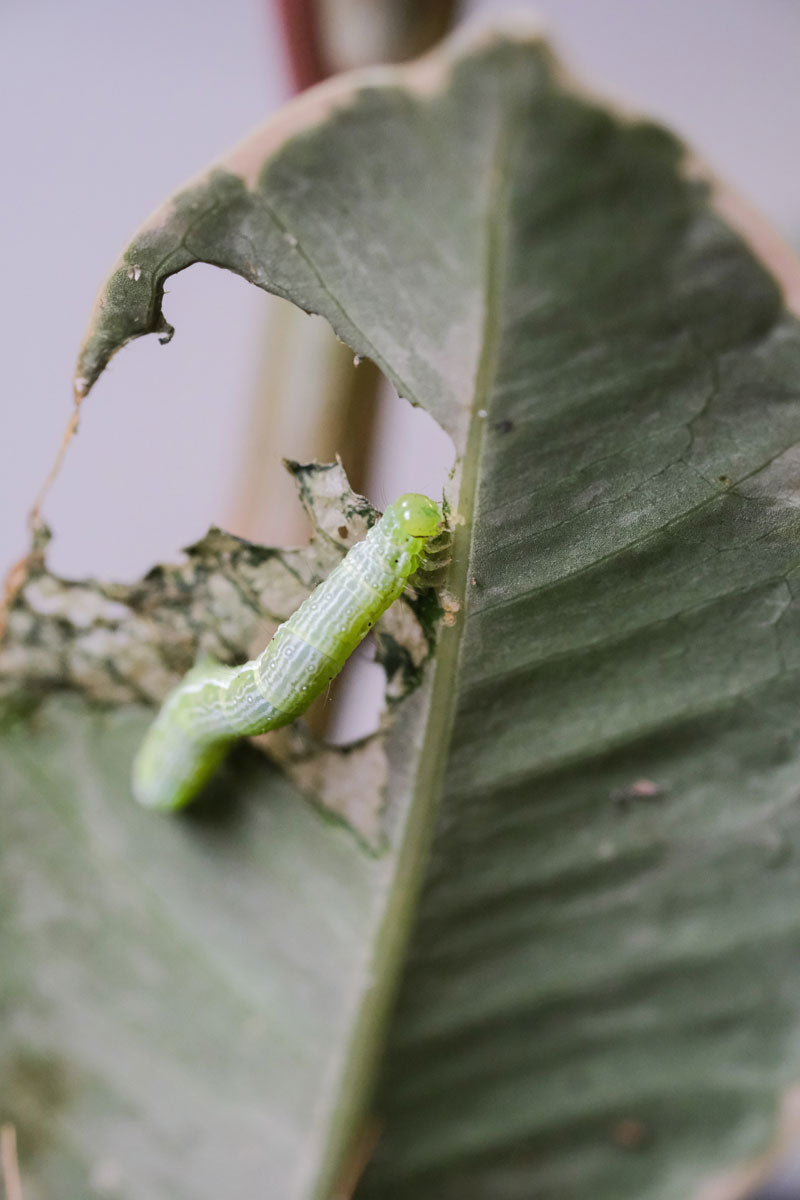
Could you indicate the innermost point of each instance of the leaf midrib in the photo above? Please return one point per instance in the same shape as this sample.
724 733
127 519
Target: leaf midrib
396 924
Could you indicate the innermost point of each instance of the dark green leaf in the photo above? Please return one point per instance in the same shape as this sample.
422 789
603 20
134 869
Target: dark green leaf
600 997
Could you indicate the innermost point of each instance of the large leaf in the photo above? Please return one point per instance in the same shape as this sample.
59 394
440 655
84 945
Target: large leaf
163 980
600 993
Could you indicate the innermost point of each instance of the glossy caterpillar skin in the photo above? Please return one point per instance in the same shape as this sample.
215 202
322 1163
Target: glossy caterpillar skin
214 705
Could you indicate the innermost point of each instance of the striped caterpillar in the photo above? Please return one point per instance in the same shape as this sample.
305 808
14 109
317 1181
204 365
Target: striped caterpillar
214 705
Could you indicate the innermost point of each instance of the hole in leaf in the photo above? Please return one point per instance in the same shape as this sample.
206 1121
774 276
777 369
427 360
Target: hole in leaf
356 699
410 453
153 464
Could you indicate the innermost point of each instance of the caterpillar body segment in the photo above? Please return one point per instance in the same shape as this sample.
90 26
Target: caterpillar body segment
214 705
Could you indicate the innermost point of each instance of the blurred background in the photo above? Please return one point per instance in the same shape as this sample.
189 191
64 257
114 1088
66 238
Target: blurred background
109 107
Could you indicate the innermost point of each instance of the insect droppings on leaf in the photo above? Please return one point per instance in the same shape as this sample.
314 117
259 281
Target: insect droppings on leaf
640 789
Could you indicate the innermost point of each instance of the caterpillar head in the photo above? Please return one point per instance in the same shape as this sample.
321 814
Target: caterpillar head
418 515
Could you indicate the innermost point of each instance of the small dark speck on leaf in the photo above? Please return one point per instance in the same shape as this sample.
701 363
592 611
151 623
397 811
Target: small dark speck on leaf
630 1133
640 789
504 426
725 479
474 581
342 531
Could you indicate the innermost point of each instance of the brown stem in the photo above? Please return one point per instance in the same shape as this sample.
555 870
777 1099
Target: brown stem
299 21
9 1163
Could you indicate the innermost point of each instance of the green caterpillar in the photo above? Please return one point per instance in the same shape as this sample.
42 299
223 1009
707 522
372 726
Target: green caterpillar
214 705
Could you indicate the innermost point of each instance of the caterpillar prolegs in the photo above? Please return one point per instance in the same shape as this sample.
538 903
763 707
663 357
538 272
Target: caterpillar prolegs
214 705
